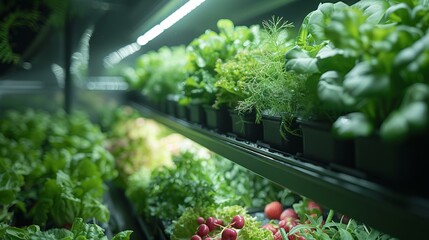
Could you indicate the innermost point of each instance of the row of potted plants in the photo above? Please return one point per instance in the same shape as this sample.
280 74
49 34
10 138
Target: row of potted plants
355 74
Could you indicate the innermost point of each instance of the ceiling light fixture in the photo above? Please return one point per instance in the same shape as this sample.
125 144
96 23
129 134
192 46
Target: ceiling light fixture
168 22
117 56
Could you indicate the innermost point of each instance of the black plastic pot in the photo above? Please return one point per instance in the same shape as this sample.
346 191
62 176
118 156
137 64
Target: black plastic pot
244 126
217 119
273 137
320 145
197 114
163 106
401 164
182 112
171 108
137 96
172 103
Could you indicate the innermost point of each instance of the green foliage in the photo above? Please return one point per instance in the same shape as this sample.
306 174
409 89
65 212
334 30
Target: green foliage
79 231
390 60
189 183
158 73
137 143
206 52
316 225
199 179
19 16
272 89
53 168
233 81
364 58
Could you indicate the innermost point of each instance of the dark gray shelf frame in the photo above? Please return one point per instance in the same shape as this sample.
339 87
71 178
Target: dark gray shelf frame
401 215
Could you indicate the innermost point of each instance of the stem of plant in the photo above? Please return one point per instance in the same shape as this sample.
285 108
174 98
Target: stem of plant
283 233
330 216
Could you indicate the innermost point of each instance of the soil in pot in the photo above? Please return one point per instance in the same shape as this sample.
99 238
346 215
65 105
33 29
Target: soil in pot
320 145
244 126
217 119
273 137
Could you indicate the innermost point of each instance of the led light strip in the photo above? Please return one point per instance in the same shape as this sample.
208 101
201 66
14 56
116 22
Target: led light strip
117 56
168 22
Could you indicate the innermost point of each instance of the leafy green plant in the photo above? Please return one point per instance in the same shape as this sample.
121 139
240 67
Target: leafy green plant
79 230
272 89
390 61
136 143
199 178
158 73
234 76
204 54
356 55
53 167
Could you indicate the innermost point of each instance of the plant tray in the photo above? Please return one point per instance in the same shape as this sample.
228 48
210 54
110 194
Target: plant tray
244 126
217 119
272 136
321 146
400 164
197 114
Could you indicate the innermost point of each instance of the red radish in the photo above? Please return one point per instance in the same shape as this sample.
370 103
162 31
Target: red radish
203 230
237 221
210 222
273 210
288 212
218 222
278 236
229 234
313 207
282 223
270 227
289 226
196 237
200 220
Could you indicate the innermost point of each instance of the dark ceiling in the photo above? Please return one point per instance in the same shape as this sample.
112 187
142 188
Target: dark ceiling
117 23
123 23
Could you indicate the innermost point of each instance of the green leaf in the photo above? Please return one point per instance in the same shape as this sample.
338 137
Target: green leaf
352 125
345 235
226 27
400 13
417 116
374 10
395 127
365 81
334 59
417 92
320 18
124 235
299 61
10 185
331 91
413 61
347 29
13 233
80 229
412 118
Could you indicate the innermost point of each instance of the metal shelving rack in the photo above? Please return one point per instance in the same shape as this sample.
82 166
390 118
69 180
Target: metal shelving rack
380 207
